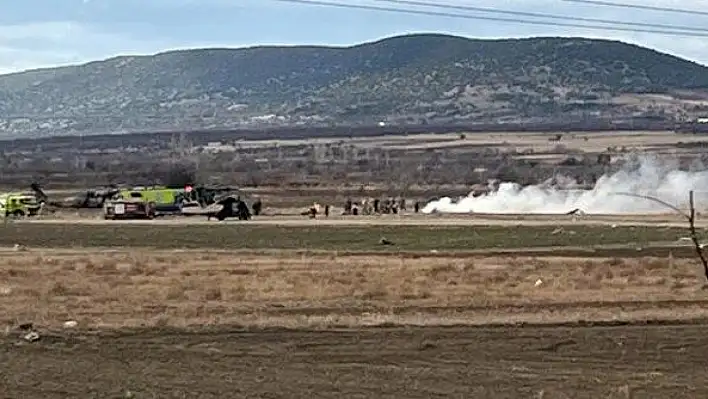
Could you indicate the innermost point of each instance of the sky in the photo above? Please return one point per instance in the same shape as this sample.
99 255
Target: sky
45 33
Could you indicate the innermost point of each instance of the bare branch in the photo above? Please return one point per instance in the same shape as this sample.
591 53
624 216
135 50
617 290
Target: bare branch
690 217
694 235
658 201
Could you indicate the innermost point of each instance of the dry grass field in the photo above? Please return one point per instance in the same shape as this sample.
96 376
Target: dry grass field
222 324
190 288
454 306
521 141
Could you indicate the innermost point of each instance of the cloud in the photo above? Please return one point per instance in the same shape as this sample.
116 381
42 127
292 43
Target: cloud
86 30
691 47
31 45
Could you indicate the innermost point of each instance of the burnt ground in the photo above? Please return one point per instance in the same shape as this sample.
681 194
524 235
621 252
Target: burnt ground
406 362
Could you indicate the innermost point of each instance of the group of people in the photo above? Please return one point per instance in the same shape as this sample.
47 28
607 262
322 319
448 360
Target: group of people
375 206
367 206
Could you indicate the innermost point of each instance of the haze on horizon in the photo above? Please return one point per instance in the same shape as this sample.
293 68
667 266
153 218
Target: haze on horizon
45 33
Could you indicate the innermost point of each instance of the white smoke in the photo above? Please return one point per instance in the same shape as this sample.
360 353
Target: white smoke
647 176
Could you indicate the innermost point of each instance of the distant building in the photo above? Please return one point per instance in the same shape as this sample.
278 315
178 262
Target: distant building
698 125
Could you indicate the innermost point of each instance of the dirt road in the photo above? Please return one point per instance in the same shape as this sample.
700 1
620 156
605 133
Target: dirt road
659 220
413 362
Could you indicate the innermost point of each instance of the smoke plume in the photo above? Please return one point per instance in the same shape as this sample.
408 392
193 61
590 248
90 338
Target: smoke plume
647 176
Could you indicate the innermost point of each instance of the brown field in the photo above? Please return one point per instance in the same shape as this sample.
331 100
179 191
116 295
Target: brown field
498 306
616 362
521 141
191 288
225 324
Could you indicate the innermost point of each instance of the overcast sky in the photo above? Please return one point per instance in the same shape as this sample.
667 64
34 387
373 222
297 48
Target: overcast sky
39 33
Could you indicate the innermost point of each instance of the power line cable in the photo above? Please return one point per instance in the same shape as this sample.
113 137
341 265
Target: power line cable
639 6
539 15
497 19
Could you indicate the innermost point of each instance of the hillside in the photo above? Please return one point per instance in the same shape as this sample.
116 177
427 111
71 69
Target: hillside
413 79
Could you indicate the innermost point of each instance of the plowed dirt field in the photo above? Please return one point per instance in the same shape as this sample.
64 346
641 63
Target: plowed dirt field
413 362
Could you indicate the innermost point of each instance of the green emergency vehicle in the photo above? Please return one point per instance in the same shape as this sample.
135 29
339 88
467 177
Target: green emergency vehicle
166 200
19 205
151 201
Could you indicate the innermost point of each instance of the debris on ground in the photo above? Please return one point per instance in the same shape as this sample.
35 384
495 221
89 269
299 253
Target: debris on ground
32 336
26 326
70 324
561 230
538 283
384 241
28 332
20 248
690 240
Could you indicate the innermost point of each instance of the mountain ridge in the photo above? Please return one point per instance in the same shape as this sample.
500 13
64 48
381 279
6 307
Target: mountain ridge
344 47
411 78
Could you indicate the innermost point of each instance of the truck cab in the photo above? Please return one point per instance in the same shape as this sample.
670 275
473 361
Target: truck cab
166 200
